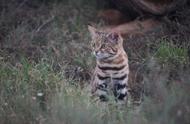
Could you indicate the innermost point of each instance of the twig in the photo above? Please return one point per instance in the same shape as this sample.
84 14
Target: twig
21 4
45 23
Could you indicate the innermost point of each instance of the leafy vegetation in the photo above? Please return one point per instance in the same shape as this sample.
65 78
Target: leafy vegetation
168 52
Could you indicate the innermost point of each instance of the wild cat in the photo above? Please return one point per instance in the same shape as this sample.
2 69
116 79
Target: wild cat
112 69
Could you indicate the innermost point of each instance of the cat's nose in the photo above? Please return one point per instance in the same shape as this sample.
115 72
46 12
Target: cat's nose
96 53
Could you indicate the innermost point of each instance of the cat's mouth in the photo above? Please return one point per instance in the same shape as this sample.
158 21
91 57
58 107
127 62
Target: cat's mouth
101 56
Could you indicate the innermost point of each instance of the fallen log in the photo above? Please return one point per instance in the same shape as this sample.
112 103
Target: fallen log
134 28
127 23
154 7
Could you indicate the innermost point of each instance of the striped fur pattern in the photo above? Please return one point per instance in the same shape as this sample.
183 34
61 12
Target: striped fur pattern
112 70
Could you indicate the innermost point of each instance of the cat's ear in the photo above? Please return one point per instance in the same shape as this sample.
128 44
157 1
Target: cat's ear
92 31
114 37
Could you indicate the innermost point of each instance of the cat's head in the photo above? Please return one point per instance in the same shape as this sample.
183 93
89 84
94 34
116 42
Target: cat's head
105 45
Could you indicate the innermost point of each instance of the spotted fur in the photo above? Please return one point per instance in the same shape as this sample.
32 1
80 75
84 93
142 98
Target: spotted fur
112 69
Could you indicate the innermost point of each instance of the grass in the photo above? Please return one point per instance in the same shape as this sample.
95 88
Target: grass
34 92
168 52
46 65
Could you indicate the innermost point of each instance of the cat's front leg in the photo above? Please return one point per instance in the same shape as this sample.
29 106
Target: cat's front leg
122 91
100 89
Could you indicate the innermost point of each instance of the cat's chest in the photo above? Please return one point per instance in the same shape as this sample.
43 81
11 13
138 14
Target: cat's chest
112 71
